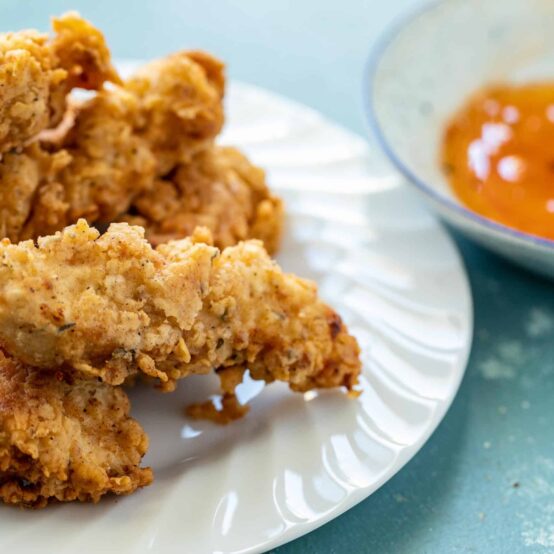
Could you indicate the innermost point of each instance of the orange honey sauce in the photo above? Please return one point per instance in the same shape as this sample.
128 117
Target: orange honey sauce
498 156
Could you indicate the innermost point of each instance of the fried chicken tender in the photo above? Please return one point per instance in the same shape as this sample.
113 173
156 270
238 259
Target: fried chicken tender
218 189
126 137
37 73
115 159
122 144
142 148
65 439
111 306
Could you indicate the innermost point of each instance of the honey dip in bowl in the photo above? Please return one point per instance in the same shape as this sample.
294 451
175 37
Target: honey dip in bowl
461 98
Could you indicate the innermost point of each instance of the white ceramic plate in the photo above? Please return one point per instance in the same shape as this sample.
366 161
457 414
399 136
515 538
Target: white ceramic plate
297 461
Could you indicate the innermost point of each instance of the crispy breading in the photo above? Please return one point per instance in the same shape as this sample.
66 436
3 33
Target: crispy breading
65 439
181 110
28 101
272 323
218 189
111 306
81 49
82 312
37 73
126 137
116 157
148 138
113 290
110 163
21 175
106 164
230 409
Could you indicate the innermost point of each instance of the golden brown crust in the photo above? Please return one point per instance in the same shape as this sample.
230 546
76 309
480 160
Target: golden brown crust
110 163
105 165
181 109
81 50
213 67
29 77
81 311
272 323
103 304
116 158
126 137
218 189
111 307
65 439
37 73
118 143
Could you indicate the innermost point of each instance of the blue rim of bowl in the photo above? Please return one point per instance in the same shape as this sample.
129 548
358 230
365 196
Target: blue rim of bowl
371 67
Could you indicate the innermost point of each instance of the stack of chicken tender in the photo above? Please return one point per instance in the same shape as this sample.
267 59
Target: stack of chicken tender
180 283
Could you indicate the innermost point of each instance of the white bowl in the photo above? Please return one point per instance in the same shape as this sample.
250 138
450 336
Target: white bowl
425 68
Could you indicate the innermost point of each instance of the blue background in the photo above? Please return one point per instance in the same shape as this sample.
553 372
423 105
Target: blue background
485 480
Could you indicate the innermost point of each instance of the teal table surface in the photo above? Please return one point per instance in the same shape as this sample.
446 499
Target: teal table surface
485 480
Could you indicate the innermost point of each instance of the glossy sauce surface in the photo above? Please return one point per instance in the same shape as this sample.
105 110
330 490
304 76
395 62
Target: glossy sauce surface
498 155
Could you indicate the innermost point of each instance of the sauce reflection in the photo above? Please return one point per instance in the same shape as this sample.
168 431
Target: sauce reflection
498 155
